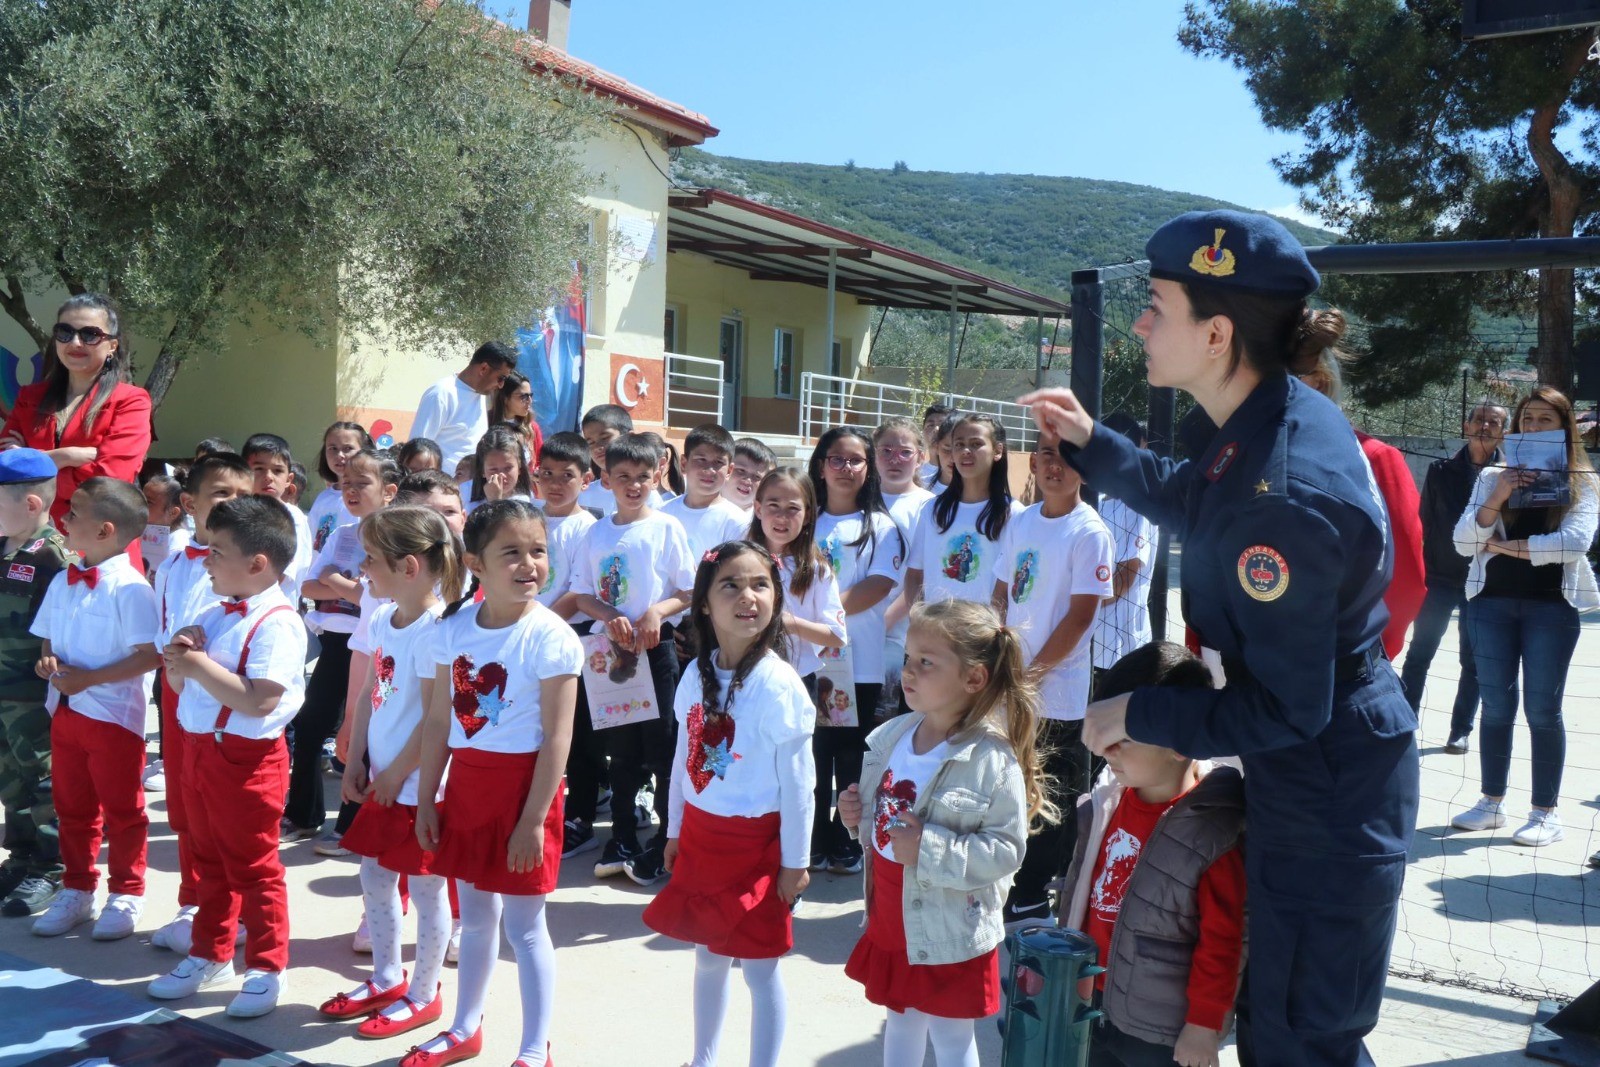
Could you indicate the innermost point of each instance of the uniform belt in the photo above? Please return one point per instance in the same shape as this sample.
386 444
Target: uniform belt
1356 667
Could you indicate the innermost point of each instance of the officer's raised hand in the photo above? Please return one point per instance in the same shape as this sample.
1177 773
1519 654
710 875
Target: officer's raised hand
1105 724
1058 413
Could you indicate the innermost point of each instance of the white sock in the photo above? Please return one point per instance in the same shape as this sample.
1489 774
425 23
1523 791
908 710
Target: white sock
905 1039
430 895
380 889
769 1010
711 975
536 973
480 947
955 1041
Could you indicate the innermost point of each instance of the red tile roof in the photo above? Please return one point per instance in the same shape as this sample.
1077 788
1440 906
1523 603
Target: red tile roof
681 125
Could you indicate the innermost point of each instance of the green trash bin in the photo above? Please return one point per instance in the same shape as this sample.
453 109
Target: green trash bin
1046 1023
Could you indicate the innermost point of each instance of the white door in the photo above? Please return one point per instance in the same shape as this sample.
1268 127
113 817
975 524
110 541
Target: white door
730 349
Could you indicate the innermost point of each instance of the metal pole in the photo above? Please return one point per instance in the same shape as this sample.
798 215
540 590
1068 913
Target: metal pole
1038 353
833 274
1163 411
1088 340
950 360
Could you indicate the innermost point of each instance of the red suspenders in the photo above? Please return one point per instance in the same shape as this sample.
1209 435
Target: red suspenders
226 713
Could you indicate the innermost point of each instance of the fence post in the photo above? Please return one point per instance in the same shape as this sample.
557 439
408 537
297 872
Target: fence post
1088 342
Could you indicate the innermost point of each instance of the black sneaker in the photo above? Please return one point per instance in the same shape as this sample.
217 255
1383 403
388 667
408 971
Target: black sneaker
646 868
847 861
31 897
612 861
577 836
12 875
1025 911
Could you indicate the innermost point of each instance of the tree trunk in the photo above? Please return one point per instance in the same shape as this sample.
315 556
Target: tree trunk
14 301
1553 357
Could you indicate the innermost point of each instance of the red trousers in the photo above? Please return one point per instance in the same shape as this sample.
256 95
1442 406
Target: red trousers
234 792
96 770
172 743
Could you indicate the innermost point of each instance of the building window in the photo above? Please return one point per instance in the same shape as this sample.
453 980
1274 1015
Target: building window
669 333
836 360
783 363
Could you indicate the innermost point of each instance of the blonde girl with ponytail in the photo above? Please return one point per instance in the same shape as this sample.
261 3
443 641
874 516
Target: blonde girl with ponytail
946 797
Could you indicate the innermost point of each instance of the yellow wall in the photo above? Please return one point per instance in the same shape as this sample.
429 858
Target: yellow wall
705 292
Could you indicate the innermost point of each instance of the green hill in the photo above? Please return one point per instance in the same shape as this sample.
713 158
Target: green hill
1031 230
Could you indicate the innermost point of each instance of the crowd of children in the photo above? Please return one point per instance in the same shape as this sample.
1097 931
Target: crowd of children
876 664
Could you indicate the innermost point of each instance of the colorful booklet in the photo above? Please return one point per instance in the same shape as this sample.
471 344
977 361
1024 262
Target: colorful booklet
618 684
1544 453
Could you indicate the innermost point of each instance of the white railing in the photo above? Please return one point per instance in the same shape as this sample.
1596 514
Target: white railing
694 390
826 401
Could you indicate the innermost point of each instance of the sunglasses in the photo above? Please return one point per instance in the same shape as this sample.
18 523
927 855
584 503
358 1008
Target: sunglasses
89 335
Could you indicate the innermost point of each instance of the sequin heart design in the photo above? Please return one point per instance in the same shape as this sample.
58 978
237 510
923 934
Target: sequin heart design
893 799
710 747
383 687
478 697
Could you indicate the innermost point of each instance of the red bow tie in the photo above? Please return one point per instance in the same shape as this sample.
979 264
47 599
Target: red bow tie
235 607
89 576
196 551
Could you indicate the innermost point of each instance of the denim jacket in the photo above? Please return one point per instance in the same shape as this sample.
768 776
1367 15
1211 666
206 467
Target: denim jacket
975 826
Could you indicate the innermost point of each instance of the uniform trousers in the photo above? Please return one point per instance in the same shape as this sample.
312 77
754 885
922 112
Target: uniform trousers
97 769
235 794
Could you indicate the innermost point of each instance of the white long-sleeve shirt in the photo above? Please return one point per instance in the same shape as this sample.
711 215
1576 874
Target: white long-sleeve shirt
754 761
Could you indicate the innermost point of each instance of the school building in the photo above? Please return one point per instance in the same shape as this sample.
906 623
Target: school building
700 304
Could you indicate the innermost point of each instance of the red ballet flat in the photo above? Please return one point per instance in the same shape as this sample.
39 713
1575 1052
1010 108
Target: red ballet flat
344 1006
455 1049
379 1025
549 1060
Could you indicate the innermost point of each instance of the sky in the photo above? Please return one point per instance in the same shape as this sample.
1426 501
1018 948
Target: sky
1082 88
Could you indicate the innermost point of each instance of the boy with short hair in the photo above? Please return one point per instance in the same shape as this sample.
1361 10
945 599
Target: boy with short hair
634 572
561 474
183 591
32 555
707 517
603 424
296 492
272 465
239 671
1052 570
752 459
1158 863
99 623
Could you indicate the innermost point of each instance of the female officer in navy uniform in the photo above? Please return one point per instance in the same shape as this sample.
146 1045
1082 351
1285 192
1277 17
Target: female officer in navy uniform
1286 555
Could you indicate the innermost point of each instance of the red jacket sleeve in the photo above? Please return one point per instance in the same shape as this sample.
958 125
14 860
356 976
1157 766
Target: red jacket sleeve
1214 973
25 422
1408 585
122 434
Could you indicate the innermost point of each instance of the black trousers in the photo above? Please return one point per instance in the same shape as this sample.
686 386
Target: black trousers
586 763
1050 847
642 751
837 751
318 719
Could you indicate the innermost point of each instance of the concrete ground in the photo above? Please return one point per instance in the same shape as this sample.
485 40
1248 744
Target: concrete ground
1476 907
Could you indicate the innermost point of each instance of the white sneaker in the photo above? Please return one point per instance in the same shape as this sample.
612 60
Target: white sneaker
362 941
178 934
1542 828
72 907
189 977
259 994
119 918
156 782
1486 814
452 951
1458 746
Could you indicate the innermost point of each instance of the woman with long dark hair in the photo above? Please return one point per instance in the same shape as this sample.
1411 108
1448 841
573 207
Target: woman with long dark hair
1528 580
512 404
1286 556
83 413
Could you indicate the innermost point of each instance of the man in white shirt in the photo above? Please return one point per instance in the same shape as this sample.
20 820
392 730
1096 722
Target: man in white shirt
453 412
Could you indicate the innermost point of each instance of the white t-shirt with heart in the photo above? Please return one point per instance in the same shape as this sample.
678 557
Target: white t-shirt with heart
905 780
496 675
402 658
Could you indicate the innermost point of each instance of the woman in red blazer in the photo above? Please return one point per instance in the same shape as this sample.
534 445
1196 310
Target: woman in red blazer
83 413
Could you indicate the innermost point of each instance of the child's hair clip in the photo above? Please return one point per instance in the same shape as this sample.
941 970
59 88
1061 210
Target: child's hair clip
710 556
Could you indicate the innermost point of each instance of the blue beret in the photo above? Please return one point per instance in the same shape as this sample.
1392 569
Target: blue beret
25 465
1232 250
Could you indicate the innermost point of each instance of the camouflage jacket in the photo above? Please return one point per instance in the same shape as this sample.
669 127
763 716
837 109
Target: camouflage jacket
25 574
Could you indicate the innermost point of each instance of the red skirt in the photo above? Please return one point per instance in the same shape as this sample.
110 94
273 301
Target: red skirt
388 835
724 888
966 990
483 799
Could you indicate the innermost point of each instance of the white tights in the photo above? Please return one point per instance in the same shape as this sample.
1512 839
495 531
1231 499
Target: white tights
906 1036
480 948
769 1009
380 890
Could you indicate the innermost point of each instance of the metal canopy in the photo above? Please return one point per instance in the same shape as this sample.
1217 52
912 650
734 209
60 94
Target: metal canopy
776 245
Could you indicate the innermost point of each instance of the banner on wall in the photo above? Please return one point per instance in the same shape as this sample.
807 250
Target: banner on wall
12 375
550 353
